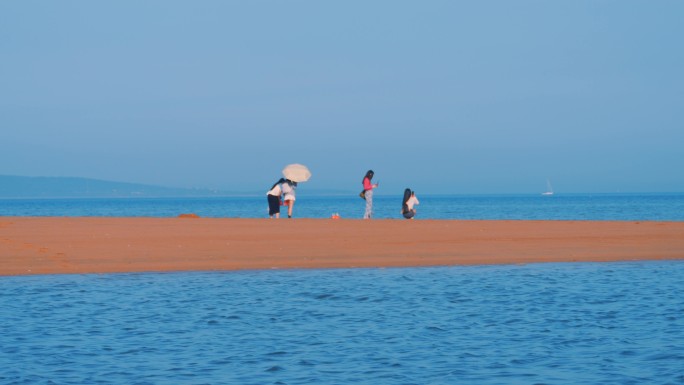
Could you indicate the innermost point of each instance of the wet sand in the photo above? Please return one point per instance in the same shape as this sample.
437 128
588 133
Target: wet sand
61 245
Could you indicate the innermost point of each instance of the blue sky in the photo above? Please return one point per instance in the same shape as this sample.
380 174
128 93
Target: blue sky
439 96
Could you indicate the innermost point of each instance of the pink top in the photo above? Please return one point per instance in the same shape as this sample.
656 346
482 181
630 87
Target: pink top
367 185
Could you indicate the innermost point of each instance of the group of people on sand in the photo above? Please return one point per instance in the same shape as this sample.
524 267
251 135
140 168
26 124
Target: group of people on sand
286 188
408 209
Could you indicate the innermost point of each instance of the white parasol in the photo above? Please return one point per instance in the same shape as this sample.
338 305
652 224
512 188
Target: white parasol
297 172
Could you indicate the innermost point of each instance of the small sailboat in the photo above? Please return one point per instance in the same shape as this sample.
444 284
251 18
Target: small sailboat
549 189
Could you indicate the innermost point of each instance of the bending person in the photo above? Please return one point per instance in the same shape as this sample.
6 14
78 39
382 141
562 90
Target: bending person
273 197
289 195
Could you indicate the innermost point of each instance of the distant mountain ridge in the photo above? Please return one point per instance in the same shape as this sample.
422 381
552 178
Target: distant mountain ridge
74 187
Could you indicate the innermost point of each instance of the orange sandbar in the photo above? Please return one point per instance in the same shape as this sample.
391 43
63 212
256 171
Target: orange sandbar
59 245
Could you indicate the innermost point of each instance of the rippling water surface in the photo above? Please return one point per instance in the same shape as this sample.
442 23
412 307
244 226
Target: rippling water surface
608 323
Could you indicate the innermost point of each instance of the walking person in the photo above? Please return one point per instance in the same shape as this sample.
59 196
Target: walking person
407 206
368 193
273 196
289 195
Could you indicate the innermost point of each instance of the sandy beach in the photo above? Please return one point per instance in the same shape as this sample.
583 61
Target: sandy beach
61 245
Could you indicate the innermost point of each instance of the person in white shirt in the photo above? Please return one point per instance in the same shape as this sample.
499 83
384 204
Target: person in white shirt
273 196
407 207
289 195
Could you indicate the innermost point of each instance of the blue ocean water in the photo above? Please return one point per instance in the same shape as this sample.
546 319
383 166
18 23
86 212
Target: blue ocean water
601 323
658 207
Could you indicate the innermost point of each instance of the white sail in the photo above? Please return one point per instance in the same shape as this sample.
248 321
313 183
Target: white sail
549 189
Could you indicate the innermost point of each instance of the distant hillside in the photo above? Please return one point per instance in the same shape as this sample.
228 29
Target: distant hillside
65 187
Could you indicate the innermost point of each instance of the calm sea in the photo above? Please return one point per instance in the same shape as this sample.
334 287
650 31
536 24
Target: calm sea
603 323
659 207
594 323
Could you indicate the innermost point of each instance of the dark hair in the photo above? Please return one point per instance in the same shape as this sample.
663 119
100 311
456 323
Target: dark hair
407 196
369 175
281 180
